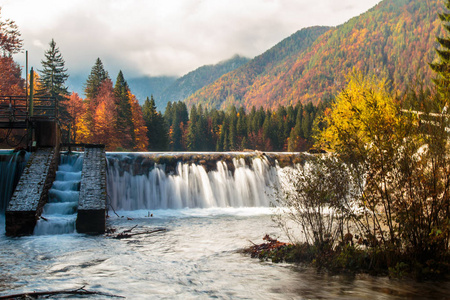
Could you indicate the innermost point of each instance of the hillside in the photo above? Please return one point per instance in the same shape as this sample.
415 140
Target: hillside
144 87
396 38
195 80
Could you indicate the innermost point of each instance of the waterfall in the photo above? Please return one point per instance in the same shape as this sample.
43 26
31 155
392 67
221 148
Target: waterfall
247 184
11 167
60 213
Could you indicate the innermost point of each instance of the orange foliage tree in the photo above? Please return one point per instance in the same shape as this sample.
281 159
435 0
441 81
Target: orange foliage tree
139 127
75 109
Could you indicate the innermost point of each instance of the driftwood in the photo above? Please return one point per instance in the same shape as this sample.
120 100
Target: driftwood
35 295
271 244
127 233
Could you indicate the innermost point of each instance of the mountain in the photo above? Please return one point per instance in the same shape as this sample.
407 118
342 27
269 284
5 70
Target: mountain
396 38
188 84
143 87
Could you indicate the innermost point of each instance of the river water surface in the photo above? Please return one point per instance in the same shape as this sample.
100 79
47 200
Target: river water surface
197 255
196 258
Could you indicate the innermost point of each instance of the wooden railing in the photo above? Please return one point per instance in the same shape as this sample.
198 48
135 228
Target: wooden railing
15 109
433 119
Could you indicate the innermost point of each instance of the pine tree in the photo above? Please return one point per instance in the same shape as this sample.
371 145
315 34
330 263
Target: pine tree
52 79
95 79
157 129
442 66
124 112
93 84
178 115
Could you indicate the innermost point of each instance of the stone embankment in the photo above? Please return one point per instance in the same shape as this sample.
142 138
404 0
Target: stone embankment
141 163
92 201
31 192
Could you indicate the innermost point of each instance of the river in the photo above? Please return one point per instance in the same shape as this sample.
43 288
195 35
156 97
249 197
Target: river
196 257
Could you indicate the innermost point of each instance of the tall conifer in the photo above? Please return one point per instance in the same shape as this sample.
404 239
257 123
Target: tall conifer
157 129
442 66
124 113
95 79
52 80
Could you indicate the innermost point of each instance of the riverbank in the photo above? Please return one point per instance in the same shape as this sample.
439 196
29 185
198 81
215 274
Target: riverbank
351 259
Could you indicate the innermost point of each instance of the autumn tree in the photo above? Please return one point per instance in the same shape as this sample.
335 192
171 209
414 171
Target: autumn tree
140 139
11 82
403 170
10 37
76 110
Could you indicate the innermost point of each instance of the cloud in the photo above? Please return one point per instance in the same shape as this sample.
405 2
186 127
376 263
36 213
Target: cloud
170 37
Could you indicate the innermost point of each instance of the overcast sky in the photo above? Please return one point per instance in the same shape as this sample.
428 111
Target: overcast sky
165 37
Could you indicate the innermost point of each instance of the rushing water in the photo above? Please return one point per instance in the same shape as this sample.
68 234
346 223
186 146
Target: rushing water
11 167
60 213
197 256
191 186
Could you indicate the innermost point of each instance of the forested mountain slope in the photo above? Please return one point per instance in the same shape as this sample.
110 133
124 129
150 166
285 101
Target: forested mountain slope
396 38
188 84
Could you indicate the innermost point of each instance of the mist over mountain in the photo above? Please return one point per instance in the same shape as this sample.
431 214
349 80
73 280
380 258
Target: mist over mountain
146 86
195 80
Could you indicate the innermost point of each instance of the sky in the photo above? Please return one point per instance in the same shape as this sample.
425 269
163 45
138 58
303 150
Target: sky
164 37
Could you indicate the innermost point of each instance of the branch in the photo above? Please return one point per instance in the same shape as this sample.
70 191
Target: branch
80 291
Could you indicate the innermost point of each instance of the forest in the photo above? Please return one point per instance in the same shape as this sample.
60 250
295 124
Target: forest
110 113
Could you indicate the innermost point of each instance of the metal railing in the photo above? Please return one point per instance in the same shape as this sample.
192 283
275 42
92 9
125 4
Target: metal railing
15 109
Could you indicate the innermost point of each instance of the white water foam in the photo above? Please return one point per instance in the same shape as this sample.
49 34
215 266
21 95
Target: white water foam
193 213
192 186
60 213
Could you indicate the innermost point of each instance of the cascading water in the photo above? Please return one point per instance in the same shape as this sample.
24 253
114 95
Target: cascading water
191 186
60 213
11 167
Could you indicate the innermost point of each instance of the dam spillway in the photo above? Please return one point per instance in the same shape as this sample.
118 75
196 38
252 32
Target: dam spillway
32 192
148 181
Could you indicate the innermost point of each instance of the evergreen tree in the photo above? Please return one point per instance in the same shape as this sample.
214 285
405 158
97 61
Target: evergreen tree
442 65
192 140
92 88
124 113
52 79
177 118
157 128
95 79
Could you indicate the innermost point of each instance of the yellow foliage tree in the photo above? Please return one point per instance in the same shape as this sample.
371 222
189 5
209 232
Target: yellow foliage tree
402 168
363 117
